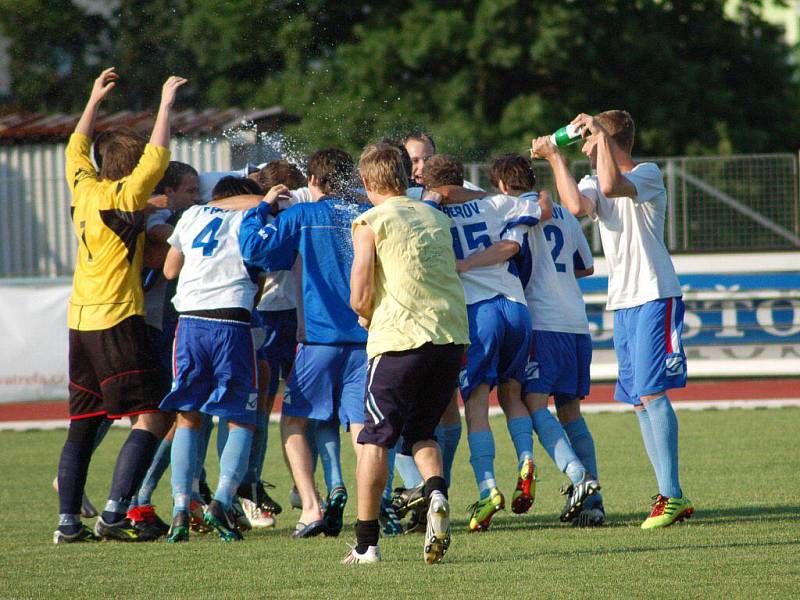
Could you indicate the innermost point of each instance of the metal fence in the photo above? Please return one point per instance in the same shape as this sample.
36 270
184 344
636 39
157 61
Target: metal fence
36 238
716 204
731 203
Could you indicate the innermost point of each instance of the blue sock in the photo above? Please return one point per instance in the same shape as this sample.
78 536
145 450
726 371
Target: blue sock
154 473
554 440
521 431
481 457
448 437
257 450
408 471
649 443
105 425
664 424
233 464
582 442
390 457
203 439
183 458
311 437
222 435
329 447
133 461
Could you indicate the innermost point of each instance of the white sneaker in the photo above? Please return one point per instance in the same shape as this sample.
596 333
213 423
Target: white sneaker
372 555
437 533
258 518
88 509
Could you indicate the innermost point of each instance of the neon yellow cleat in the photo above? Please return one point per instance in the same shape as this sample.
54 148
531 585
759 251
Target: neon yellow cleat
483 511
667 511
525 493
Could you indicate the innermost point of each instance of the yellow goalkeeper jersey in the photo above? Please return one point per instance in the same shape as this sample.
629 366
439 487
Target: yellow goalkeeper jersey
108 219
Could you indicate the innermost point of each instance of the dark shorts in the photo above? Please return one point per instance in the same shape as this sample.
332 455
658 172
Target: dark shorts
113 372
407 394
280 344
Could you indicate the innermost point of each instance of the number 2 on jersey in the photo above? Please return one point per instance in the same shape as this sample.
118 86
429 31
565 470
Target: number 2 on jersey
473 241
553 233
205 239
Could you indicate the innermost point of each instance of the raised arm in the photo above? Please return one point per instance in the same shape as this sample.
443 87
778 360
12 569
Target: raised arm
160 134
102 86
613 184
362 275
571 197
275 195
267 244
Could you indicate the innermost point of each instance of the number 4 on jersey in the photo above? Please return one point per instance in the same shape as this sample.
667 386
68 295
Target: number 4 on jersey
206 238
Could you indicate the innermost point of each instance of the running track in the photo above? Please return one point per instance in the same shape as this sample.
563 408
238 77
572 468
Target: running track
698 395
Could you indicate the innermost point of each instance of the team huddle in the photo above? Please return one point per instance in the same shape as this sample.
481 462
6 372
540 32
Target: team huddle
379 291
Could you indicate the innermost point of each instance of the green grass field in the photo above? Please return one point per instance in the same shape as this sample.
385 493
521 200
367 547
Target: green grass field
738 467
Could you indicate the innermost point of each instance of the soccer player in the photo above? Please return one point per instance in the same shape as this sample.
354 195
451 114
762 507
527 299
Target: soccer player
499 323
180 186
214 368
112 370
329 373
629 201
420 147
405 289
560 349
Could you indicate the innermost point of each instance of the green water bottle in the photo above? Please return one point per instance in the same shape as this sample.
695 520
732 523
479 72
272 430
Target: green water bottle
569 134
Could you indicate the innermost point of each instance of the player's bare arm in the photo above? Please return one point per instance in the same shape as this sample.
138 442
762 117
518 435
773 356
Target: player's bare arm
102 86
276 194
546 204
613 184
580 273
362 274
571 197
173 263
456 194
495 254
160 134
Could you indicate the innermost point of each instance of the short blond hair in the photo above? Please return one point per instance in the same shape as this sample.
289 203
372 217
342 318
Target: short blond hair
619 125
381 166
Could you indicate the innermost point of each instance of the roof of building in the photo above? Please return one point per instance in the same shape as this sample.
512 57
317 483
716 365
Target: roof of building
39 127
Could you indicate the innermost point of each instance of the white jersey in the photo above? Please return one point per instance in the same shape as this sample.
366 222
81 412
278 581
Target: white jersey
555 300
632 231
213 274
477 225
279 292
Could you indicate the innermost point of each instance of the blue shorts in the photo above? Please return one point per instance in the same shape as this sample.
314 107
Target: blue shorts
647 340
559 365
213 370
499 337
280 344
328 381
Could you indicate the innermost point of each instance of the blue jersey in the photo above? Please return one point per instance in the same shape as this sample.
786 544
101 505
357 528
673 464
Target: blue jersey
320 233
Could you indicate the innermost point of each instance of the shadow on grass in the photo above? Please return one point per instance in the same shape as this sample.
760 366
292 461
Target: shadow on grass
702 516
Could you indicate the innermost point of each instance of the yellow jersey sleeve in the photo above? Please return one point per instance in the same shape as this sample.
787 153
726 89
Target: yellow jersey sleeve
133 192
79 165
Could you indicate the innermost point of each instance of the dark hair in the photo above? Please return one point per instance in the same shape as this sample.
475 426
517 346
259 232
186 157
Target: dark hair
173 176
515 170
117 152
442 169
404 156
235 186
279 172
333 169
419 136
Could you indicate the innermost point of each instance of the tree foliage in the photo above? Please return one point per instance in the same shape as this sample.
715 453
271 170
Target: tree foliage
482 75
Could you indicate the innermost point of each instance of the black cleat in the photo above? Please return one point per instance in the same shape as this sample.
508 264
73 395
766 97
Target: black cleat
224 522
125 530
406 500
333 513
256 492
590 517
577 494
84 534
